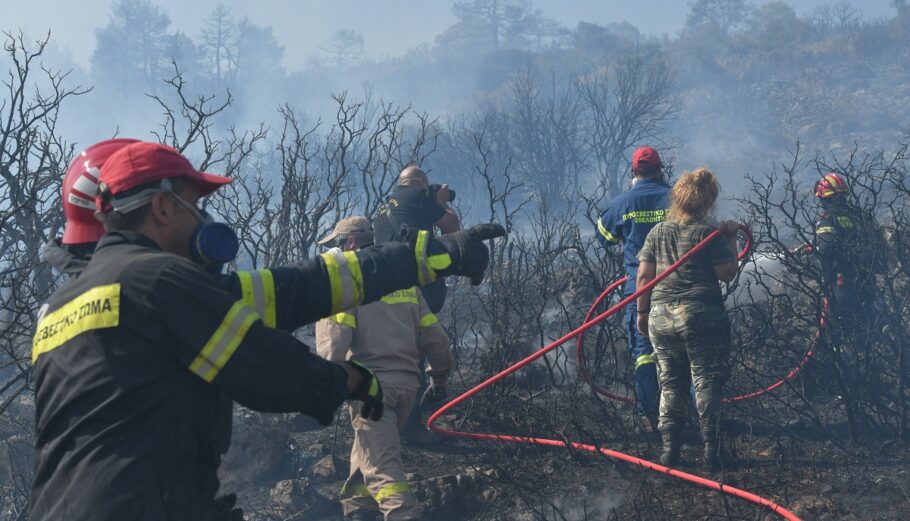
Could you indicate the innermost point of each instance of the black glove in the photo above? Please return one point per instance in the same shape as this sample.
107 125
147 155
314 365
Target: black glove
369 392
434 394
459 253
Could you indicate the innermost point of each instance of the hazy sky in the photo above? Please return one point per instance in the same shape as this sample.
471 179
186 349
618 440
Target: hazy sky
390 27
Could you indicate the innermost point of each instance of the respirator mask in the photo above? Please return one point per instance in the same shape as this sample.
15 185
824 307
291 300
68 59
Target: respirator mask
212 244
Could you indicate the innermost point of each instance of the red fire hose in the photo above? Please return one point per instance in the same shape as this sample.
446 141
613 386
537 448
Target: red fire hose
583 365
714 485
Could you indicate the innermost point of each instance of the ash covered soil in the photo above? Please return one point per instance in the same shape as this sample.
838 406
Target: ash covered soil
289 468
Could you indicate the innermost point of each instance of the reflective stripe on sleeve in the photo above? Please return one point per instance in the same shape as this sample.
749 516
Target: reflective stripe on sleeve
606 233
439 261
825 229
258 289
345 319
642 360
428 320
424 273
221 346
397 487
345 279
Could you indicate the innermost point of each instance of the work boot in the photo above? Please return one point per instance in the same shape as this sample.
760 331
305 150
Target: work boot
652 421
712 457
669 457
713 460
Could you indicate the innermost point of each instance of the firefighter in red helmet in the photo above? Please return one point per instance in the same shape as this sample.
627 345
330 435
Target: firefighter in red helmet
69 254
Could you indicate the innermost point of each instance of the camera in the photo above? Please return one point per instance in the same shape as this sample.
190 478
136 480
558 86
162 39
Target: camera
433 189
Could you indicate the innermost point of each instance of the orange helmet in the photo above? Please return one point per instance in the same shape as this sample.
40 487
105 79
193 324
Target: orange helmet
830 184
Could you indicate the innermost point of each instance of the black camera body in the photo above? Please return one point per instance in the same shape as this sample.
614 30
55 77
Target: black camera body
433 189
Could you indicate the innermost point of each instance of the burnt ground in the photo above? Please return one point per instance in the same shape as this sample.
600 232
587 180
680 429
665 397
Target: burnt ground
291 472
797 452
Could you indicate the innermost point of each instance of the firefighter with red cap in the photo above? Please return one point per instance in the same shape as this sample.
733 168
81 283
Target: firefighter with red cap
136 359
627 220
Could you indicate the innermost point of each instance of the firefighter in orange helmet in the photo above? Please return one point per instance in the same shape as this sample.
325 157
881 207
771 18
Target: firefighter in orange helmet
851 250
848 247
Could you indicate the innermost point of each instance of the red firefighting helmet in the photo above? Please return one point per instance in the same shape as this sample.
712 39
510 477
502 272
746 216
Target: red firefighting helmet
829 185
79 188
144 163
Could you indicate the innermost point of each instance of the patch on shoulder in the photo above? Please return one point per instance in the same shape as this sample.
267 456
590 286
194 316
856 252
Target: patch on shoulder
97 308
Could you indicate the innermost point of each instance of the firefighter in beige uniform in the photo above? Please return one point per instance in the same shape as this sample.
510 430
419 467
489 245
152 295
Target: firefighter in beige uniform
389 336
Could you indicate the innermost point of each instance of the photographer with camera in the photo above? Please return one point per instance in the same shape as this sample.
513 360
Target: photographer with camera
416 203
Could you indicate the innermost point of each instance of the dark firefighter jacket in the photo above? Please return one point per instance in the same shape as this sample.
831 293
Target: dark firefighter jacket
851 252
137 360
629 218
69 259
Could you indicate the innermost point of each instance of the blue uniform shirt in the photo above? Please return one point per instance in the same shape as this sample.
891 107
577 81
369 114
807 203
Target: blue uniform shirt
629 218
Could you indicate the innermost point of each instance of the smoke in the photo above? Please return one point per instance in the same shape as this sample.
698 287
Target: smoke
592 500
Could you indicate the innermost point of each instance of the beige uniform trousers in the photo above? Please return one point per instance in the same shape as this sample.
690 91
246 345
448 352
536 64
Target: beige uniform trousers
376 481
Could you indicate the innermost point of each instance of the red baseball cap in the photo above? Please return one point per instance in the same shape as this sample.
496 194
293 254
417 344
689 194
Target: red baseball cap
143 162
645 156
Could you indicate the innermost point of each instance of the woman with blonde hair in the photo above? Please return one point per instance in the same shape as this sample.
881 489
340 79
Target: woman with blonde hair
684 314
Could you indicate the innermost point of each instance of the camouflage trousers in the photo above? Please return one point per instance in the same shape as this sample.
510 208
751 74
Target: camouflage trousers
692 342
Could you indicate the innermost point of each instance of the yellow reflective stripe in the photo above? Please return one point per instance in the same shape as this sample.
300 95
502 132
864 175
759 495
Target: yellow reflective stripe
258 290
356 275
825 229
424 274
606 233
345 319
221 346
845 221
246 288
345 279
268 295
97 308
428 320
402 296
440 261
374 386
398 487
355 490
334 279
642 360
